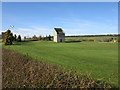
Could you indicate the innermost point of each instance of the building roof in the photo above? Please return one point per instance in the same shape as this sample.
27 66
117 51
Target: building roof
59 30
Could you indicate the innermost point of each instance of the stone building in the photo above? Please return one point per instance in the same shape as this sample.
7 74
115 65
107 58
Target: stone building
59 35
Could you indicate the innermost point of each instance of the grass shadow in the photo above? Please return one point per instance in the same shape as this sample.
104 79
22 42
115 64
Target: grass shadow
72 41
17 44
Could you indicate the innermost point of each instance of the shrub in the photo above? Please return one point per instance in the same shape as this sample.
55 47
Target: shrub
90 40
98 40
106 40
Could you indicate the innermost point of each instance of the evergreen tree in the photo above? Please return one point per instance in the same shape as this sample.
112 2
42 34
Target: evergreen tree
25 38
49 37
40 37
8 38
12 37
15 37
19 38
46 38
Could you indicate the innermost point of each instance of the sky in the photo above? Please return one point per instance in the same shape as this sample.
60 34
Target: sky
75 18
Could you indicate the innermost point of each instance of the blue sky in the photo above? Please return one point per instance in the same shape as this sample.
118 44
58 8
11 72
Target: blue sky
75 18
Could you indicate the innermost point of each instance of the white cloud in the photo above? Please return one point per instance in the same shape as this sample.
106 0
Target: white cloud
33 30
24 29
73 31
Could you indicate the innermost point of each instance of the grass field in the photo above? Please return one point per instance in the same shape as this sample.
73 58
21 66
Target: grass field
102 37
96 39
99 59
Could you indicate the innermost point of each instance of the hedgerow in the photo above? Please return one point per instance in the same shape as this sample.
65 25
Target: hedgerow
20 71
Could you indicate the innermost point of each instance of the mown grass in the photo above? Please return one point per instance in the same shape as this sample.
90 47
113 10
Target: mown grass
98 59
20 71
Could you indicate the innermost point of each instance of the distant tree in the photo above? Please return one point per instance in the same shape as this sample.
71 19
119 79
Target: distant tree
8 38
46 38
19 38
12 37
49 37
40 37
34 37
15 37
25 38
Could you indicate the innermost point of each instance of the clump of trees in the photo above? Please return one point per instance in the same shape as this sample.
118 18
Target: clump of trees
8 38
47 38
35 38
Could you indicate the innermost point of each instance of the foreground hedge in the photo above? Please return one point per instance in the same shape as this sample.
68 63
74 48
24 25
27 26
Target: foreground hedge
19 71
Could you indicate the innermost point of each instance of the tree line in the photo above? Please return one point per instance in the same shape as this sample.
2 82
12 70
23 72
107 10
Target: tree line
8 38
35 38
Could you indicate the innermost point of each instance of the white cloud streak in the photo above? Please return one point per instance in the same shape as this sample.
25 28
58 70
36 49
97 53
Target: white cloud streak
33 31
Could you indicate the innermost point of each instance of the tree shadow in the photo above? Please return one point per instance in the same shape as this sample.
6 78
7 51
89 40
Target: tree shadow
17 44
72 41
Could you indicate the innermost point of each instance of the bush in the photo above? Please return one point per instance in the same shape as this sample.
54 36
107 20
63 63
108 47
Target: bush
98 40
90 40
106 40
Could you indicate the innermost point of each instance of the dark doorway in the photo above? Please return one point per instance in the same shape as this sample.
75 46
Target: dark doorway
60 40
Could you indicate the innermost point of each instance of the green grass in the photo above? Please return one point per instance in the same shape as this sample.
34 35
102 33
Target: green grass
99 59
